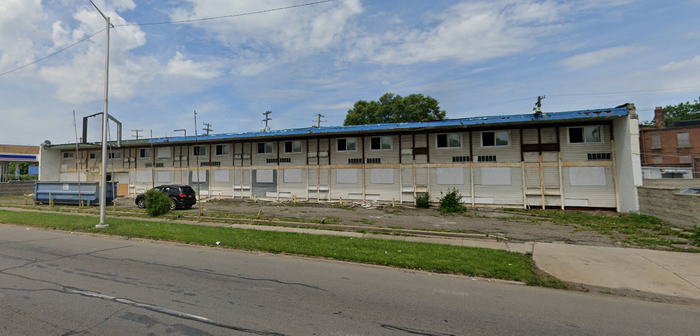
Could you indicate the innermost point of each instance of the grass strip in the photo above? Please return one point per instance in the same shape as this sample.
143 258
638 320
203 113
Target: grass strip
424 256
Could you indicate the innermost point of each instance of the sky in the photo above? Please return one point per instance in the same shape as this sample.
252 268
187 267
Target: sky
475 57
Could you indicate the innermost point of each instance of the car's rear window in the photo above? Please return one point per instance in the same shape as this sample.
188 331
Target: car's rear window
187 190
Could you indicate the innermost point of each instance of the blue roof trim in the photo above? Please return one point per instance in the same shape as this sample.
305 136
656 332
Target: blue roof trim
472 121
17 157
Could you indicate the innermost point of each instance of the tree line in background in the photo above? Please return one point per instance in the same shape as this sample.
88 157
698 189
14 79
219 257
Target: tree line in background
393 108
683 111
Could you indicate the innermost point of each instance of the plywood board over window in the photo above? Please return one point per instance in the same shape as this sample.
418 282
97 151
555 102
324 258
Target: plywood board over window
381 176
449 176
587 176
198 176
163 177
143 176
293 176
347 176
222 175
164 152
496 176
264 176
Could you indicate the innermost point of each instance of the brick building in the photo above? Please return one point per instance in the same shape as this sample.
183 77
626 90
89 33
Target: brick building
676 145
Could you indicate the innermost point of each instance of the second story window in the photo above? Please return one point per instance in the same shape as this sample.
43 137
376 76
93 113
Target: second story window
656 141
449 140
683 139
114 155
200 151
292 146
585 134
264 147
347 144
144 152
221 149
379 143
68 155
495 139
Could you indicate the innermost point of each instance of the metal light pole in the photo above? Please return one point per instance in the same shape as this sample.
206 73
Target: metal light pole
105 125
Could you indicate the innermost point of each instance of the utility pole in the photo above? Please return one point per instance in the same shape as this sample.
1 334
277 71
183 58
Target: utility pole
318 120
538 105
136 131
183 130
266 121
105 118
207 127
196 157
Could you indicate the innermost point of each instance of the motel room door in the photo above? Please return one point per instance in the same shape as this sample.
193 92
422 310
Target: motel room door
542 180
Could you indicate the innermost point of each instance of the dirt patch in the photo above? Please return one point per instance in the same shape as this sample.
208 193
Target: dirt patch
511 226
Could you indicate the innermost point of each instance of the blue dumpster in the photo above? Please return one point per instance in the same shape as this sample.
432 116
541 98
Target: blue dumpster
71 192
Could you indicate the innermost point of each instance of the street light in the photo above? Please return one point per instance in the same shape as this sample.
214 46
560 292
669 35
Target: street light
105 124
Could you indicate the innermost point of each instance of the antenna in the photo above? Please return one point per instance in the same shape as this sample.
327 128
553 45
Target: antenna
538 105
266 121
318 120
207 127
137 131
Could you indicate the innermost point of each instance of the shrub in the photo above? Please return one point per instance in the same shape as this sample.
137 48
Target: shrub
423 200
451 202
157 203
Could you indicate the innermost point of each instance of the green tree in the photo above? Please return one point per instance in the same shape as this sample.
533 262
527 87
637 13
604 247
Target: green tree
392 108
683 111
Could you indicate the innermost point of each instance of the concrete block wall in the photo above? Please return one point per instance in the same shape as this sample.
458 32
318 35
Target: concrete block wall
679 210
16 188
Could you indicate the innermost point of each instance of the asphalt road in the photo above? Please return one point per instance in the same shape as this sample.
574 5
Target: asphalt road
57 283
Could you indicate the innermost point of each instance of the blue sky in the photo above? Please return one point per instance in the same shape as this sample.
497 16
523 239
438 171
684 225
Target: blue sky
475 57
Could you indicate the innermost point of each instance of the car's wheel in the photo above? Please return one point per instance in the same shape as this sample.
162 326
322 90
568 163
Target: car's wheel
189 206
173 204
140 203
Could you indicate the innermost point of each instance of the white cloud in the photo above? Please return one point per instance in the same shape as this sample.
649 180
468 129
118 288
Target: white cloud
21 24
182 67
593 58
79 79
680 76
272 38
467 32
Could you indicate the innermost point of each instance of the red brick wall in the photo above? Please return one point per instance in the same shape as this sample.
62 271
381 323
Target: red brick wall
669 151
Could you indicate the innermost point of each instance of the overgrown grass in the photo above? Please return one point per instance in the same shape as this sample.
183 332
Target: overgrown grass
430 257
635 229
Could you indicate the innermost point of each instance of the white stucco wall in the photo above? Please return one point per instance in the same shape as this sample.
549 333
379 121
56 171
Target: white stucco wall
628 168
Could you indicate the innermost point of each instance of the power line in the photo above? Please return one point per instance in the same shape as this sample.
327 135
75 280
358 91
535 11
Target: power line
224 16
53 53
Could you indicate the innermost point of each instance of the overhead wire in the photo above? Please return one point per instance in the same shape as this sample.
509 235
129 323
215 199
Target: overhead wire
58 51
223 16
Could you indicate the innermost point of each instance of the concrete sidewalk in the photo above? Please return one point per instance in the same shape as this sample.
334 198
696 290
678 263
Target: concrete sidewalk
626 271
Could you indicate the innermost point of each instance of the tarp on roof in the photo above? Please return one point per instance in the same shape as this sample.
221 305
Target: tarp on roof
516 119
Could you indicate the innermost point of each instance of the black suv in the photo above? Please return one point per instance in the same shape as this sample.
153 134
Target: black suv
181 196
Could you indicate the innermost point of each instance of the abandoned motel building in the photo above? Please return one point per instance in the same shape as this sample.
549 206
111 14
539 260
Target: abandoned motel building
587 158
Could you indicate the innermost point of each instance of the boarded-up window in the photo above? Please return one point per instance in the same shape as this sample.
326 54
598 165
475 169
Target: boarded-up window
198 176
163 152
381 176
685 159
658 159
143 176
163 177
264 176
656 141
222 175
683 139
587 176
450 176
346 176
495 176
293 176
